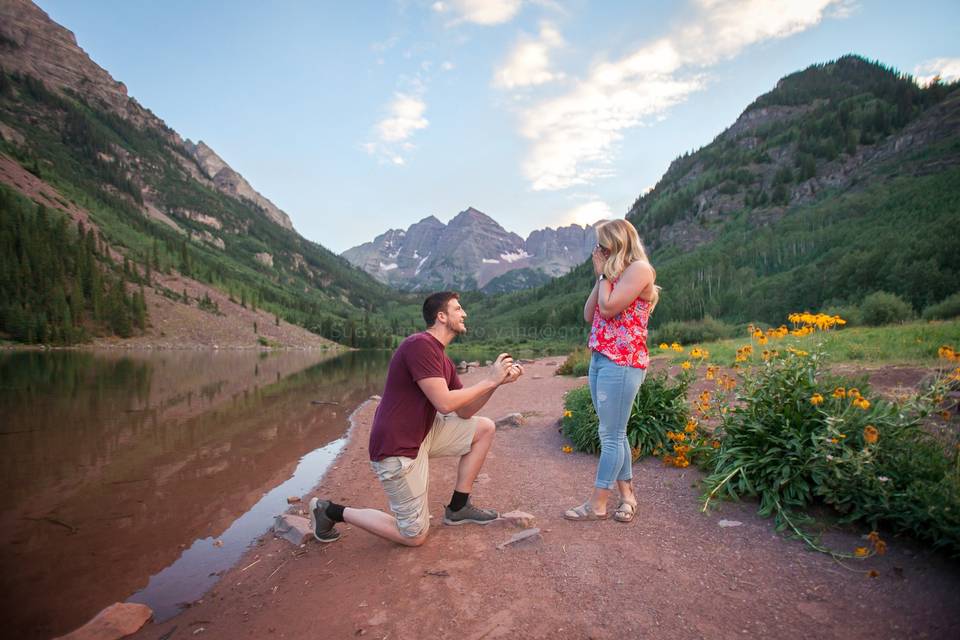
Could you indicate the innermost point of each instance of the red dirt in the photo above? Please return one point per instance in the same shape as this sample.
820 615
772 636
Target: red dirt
673 572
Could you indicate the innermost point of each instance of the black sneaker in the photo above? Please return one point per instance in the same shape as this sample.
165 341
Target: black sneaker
323 527
469 514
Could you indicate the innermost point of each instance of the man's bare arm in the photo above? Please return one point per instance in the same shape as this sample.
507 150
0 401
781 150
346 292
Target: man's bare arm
445 400
471 409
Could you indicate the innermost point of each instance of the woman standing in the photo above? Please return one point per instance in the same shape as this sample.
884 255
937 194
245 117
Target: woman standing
618 308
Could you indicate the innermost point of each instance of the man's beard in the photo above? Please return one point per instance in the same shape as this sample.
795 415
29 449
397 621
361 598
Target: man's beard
456 327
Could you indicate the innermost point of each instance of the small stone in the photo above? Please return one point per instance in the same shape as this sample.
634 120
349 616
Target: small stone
294 529
119 620
729 523
377 398
518 519
511 420
293 499
526 534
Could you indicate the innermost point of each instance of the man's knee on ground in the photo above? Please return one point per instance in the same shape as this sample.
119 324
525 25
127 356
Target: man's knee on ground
415 540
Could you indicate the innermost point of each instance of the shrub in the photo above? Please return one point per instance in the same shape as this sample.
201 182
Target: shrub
577 363
849 312
692 331
660 406
947 308
881 307
794 436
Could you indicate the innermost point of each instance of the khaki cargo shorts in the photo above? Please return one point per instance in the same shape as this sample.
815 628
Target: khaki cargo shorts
406 480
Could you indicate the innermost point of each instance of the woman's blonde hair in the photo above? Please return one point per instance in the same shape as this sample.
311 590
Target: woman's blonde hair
621 239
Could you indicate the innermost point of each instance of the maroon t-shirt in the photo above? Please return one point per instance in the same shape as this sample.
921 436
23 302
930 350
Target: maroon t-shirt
405 414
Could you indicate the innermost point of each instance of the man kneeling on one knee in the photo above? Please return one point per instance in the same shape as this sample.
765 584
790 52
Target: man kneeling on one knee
425 413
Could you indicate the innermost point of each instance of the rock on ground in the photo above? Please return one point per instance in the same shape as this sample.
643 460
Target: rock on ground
116 621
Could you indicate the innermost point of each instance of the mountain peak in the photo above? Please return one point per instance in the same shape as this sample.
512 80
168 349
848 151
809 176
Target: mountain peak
430 220
471 251
471 216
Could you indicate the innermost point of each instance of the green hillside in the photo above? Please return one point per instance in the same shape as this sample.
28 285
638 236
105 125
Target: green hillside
108 166
842 181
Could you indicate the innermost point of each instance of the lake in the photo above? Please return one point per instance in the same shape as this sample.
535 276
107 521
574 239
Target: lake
142 476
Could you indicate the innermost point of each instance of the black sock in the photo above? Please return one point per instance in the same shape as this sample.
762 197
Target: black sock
458 500
334 511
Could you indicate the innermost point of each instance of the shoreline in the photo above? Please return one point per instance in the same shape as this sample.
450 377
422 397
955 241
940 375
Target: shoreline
577 579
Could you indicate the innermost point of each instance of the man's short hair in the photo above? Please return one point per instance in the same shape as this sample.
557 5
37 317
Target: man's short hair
436 303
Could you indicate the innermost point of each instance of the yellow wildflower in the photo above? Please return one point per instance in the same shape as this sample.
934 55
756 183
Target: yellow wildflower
686 365
676 347
871 434
839 392
816 399
664 346
862 403
567 449
861 552
834 440
715 444
568 414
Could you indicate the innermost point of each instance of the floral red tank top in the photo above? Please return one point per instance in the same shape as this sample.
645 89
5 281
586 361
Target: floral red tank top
623 338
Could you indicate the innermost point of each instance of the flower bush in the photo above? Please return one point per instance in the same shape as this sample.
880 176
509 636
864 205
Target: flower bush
794 435
660 407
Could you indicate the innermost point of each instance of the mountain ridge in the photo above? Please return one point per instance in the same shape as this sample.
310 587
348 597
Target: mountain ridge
165 204
839 182
471 252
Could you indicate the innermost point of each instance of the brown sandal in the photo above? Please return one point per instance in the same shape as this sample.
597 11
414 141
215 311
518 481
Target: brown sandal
584 512
625 512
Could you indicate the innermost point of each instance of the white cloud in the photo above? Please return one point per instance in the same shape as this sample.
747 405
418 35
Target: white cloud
481 12
947 68
574 136
587 213
529 62
405 116
447 66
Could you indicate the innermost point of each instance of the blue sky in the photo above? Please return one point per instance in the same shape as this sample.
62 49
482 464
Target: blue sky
356 117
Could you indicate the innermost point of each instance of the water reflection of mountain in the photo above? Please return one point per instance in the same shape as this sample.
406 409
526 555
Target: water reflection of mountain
111 464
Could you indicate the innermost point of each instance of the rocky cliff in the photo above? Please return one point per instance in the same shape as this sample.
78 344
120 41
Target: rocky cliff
167 209
471 252
33 44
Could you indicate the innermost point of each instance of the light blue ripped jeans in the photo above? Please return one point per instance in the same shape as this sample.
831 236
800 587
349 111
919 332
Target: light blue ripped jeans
613 389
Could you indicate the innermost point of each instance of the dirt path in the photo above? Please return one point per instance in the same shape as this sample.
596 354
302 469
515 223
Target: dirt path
672 573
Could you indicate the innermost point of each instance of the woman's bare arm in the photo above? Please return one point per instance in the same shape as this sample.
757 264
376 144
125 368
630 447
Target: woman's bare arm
591 303
635 279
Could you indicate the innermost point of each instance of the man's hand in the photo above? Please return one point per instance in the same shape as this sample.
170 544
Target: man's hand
500 369
515 372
